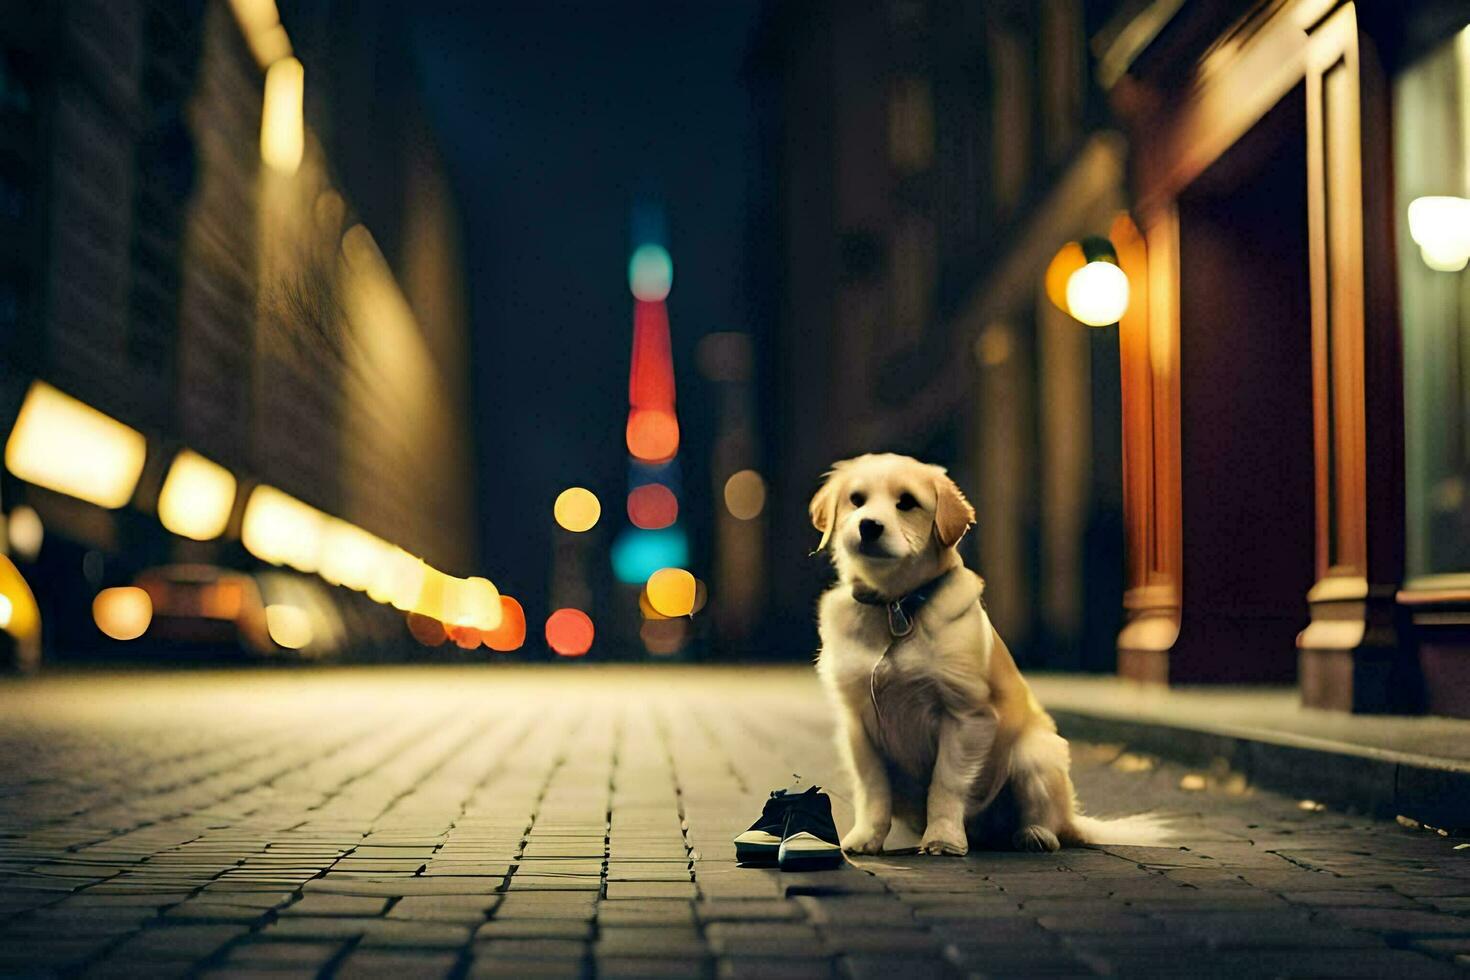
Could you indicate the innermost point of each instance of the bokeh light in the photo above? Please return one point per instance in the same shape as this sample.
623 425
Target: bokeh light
745 495
671 592
650 273
350 556
577 509
473 602
7 609
652 506
651 376
281 530
197 497
1097 294
664 637
646 608
426 629
701 595
464 637
123 613
433 594
1069 259
26 531
653 434
68 446
569 632
398 580
638 553
511 633
289 626
282 125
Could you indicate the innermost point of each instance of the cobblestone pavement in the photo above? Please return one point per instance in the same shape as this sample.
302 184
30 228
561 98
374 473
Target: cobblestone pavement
560 822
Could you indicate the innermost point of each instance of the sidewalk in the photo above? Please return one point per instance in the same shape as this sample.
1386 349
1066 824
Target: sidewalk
575 821
1418 767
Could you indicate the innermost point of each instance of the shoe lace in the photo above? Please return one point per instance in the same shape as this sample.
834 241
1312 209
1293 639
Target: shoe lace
781 801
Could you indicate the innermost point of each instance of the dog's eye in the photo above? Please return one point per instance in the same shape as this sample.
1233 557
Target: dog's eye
858 499
906 501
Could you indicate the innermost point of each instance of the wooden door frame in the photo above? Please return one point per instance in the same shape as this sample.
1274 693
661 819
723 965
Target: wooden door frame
1349 652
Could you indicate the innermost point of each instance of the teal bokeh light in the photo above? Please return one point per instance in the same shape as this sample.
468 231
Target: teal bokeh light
638 553
651 273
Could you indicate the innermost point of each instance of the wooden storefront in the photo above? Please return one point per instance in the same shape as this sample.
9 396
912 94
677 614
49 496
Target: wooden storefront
1263 379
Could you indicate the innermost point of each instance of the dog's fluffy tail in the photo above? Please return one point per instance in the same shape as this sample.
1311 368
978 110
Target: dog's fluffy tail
1140 829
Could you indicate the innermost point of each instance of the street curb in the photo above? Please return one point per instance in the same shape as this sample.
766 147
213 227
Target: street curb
1351 777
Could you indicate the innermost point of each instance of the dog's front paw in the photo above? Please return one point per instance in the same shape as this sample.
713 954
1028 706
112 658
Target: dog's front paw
1035 838
864 840
944 838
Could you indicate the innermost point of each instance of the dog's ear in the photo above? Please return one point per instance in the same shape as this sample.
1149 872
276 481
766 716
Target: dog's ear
953 515
824 505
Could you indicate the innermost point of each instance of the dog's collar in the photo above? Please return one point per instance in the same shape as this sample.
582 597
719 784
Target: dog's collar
902 610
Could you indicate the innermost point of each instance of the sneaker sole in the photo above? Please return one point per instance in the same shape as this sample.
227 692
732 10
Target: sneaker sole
758 853
811 861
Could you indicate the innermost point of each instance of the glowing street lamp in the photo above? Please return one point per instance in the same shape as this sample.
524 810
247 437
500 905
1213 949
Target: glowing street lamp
1085 280
1440 226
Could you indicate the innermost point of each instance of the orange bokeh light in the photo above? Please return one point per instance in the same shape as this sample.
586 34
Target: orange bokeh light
464 637
511 633
569 632
652 506
653 434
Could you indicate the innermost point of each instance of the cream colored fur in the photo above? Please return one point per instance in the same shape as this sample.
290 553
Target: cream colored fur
957 745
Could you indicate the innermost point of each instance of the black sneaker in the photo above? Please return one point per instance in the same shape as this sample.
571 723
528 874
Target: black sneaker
761 844
809 839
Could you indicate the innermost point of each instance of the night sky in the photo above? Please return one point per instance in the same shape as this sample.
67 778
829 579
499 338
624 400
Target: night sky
556 118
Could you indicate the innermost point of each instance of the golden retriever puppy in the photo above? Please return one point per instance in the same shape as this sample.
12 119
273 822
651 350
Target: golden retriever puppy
935 723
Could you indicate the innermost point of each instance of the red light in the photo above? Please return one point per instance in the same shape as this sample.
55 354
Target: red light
569 632
511 633
653 434
651 380
652 506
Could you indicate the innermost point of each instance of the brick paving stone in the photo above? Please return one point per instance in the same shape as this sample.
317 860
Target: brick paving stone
764 968
644 913
468 909
284 954
743 910
352 905
524 823
364 964
861 967
535 929
632 967
515 969
766 939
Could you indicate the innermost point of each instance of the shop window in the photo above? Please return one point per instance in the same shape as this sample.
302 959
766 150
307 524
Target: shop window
1432 176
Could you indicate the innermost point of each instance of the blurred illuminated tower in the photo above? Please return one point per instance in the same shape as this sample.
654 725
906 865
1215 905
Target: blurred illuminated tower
655 540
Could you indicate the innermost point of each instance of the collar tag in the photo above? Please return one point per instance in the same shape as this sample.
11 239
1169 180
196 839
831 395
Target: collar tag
899 623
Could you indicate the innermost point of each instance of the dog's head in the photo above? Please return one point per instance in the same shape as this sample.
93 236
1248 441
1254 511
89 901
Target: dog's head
891 521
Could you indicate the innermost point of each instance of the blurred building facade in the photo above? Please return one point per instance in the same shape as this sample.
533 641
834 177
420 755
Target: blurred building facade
302 327
1260 474
933 156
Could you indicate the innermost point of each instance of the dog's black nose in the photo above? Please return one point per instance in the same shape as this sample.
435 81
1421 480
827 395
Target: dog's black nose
870 530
